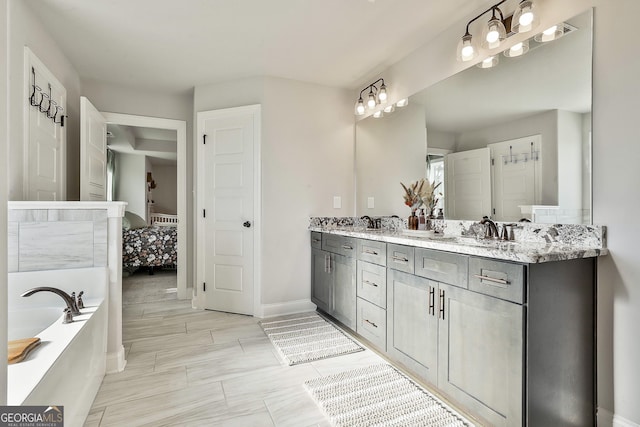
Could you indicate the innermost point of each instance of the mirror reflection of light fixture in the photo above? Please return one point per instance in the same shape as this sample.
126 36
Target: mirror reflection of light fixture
402 103
489 62
378 114
389 108
151 184
550 34
517 49
374 98
525 18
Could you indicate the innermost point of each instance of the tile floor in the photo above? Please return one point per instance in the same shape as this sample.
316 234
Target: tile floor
189 367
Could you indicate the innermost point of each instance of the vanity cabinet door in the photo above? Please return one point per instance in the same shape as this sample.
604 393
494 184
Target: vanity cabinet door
412 323
321 280
481 355
344 289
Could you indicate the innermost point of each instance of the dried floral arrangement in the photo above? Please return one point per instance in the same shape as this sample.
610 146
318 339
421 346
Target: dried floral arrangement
419 193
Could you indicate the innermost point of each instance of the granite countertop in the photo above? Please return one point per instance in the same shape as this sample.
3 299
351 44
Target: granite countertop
518 251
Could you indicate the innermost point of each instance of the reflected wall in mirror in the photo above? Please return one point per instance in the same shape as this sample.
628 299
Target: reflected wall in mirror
518 134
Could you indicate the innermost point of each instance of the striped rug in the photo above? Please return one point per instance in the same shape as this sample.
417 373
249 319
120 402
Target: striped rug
380 395
307 337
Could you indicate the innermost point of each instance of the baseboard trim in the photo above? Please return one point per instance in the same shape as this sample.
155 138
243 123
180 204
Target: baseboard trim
609 419
282 308
116 361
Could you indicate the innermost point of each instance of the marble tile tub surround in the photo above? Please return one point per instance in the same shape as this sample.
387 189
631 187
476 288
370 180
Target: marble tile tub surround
589 236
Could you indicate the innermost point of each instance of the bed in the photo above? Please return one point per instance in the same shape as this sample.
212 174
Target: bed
153 246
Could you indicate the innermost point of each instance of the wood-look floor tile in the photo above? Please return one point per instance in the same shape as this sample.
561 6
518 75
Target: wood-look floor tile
187 356
171 408
294 410
168 342
145 331
128 388
94 418
233 333
245 365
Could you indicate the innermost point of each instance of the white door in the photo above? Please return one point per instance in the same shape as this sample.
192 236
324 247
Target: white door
46 139
516 176
227 188
468 184
93 152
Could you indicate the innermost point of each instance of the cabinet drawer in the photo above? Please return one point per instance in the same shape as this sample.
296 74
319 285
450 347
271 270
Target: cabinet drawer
372 251
400 257
316 240
339 244
372 323
498 279
442 266
372 283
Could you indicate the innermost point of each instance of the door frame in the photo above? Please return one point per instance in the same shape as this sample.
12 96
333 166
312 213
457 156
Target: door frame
201 116
180 126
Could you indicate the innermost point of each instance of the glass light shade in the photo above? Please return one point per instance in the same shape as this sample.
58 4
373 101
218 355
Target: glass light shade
378 114
466 50
493 34
382 94
371 101
389 108
360 109
517 49
550 34
525 18
489 62
402 103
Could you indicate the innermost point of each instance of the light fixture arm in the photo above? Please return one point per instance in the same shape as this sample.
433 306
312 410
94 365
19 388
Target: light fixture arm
372 87
492 8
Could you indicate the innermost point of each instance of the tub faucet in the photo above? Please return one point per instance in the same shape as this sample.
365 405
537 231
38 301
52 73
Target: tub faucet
492 230
71 303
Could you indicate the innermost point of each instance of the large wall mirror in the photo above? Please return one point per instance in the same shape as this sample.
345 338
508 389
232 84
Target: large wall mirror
512 141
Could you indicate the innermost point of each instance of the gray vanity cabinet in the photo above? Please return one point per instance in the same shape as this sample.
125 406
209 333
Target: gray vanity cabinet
412 323
333 287
371 291
481 354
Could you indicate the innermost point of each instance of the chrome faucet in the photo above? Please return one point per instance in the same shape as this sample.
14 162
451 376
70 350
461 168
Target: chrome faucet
72 306
370 223
492 230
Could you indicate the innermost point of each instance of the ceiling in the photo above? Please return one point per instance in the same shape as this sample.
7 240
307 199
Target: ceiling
159 145
174 45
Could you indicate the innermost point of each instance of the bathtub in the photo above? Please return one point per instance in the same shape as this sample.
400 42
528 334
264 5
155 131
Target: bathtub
68 366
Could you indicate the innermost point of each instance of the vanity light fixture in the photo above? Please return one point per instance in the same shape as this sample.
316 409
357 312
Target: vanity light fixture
494 32
525 18
375 97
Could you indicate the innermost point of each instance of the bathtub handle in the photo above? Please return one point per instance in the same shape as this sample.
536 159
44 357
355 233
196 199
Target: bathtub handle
68 316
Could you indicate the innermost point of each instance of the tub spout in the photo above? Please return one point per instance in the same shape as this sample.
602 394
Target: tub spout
69 301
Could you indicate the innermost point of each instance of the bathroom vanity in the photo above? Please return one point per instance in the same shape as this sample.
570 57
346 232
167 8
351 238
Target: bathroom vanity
505 330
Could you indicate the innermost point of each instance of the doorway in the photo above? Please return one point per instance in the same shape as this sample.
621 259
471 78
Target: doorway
179 127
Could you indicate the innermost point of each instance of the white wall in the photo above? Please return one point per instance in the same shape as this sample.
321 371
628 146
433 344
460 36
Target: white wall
392 146
131 183
442 140
25 29
165 195
616 200
307 158
4 167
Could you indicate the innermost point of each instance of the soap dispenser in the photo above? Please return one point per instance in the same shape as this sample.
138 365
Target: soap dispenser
422 221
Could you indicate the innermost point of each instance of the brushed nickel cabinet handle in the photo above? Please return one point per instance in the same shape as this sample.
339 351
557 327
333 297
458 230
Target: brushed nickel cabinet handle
317 240
367 251
401 259
491 279
347 247
442 301
369 283
371 323
432 300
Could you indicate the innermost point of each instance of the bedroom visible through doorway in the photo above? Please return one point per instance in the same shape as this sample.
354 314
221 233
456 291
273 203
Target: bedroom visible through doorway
146 169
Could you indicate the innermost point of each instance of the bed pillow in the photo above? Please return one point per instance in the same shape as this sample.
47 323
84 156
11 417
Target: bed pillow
132 221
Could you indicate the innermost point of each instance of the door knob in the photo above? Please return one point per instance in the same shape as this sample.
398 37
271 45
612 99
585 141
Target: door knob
247 224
